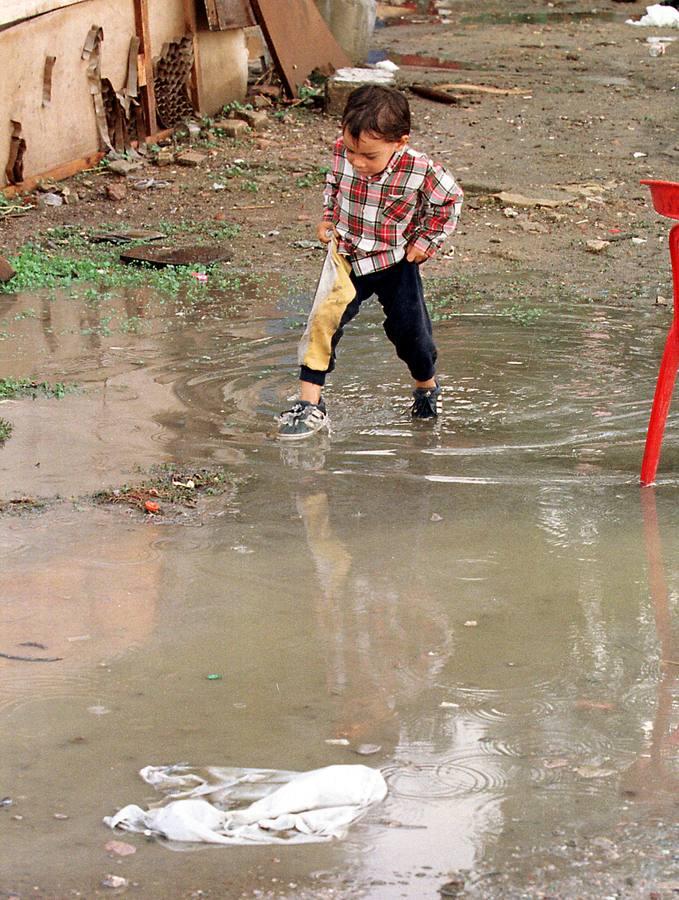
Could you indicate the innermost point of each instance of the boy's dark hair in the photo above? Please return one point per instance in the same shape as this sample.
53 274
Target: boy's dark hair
377 110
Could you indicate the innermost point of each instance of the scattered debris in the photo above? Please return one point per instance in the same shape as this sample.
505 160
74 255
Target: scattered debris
145 183
164 157
367 749
116 192
296 50
6 270
507 198
346 80
31 658
256 119
171 489
191 158
114 881
232 128
597 246
159 257
50 199
125 235
120 848
123 166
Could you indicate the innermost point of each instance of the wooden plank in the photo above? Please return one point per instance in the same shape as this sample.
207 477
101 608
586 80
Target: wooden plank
190 28
299 40
145 64
225 14
66 170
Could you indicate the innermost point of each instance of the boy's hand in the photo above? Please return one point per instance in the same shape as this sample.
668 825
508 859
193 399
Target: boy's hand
325 231
415 255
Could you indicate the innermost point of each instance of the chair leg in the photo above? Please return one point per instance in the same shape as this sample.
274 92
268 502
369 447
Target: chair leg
661 405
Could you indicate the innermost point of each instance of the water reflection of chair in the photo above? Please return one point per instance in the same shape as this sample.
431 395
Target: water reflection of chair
665 195
650 777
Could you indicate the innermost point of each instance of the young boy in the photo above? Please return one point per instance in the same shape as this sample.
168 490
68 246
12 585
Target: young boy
388 208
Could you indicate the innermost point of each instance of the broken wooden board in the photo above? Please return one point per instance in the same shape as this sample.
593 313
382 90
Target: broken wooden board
299 40
466 88
175 256
458 93
125 236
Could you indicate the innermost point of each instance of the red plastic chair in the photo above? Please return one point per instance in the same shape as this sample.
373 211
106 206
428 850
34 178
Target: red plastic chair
665 196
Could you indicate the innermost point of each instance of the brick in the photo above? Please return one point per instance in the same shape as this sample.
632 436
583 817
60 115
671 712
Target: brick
191 158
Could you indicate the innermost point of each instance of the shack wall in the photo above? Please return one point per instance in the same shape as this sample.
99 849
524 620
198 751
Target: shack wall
66 129
223 64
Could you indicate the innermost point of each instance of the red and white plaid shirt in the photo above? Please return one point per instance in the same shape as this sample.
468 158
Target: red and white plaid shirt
412 202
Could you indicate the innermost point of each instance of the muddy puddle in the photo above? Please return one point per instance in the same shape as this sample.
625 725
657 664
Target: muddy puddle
490 603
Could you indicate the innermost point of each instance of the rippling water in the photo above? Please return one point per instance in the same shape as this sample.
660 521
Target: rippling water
491 600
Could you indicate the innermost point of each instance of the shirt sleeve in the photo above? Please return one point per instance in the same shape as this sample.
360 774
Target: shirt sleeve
332 184
439 210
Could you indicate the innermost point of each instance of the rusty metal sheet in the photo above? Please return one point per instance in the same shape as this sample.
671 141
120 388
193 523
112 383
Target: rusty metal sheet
299 40
225 14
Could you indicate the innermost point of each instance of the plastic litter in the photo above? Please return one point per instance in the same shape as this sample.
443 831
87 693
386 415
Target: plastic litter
658 16
284 807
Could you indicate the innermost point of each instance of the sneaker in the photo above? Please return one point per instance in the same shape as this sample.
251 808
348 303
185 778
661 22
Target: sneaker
427 402
302 420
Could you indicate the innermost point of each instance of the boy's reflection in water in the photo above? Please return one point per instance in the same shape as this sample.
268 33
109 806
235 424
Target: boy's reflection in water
384 638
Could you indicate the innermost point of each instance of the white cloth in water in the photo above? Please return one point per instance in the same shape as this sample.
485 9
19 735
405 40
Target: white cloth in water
287 807
658 16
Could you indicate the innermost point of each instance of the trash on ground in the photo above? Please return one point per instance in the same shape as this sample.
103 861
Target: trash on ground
658 16
114 881
284 807
510 199
387 65
125 235
145 183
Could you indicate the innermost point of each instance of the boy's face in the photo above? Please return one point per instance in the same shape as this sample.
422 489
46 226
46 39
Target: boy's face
370 155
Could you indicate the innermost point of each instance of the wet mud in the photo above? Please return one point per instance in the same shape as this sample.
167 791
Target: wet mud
488 604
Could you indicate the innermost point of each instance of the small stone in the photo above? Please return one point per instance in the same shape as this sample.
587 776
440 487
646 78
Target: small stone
597 246
233 128
256 119
191 158
61 816
367 749
6 270
114 881
116 191
120 848
51 199
122 166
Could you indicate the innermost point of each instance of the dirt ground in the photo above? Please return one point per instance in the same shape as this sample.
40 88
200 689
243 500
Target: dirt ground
588 117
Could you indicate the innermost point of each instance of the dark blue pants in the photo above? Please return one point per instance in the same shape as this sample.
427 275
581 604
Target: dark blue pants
406 323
